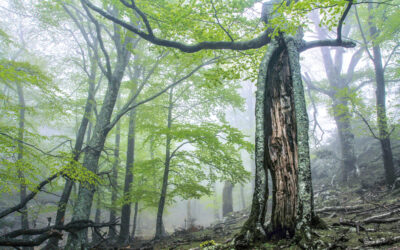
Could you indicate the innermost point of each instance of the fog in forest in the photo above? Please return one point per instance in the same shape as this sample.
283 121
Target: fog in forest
204 124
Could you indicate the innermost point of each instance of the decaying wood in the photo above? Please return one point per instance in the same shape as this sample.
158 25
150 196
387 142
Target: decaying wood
339 209
382 241
378 217
48 232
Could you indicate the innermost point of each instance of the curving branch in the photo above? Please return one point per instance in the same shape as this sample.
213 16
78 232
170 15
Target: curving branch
338 41
342 18
258 42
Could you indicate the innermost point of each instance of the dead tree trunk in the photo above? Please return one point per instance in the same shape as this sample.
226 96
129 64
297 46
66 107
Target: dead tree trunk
281 147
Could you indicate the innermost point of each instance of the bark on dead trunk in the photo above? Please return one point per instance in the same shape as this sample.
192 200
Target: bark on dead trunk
282 147
281 144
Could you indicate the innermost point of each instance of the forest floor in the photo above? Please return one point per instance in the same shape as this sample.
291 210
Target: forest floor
356 218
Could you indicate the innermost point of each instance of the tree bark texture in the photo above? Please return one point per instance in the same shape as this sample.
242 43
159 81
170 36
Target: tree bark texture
305 203
253 229
227 202
281 147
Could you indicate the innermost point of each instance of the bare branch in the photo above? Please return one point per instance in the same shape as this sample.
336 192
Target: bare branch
100 39
219 23
367 123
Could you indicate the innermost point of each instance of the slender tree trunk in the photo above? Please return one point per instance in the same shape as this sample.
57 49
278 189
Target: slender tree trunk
242 198
126 207
215 203
114 188
339 85
130 159
346 139
97 217
20 156
95 147
160 230
341 111
189 218
384 136
135 218
227 204
62 204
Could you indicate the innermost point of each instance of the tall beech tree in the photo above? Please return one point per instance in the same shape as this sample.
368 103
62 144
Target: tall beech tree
281 117
341 85
374 36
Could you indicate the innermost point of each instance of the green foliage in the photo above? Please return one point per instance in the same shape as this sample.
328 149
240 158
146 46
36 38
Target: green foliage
207 243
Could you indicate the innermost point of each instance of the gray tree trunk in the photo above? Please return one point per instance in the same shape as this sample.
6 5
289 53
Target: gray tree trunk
384 135
135 219
160 230
62 204
227 204
20 156
114 188
126 207
83 203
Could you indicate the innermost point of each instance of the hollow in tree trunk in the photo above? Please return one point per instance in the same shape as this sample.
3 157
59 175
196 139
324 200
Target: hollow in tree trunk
282 148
